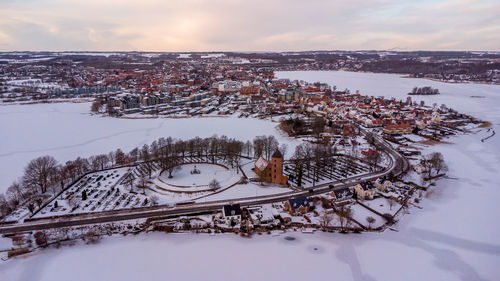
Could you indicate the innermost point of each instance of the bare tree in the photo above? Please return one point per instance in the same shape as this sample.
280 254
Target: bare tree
325 219
248 148
270 145
370 220
73 202
434 163
38 172
111 158
5 207
154 199
345 214
318 126
143 183
40 238
258 146
391 203
299 160
110 109
438 162
96 106
283 148
373 160
99 162
91 237
262 177
120 157
129 180
15 193
133 155
214 184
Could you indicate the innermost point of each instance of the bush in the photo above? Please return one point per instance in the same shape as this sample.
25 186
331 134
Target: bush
388 217
91 237
40 238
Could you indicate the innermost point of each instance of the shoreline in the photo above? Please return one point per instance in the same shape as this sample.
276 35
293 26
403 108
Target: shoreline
401 75
48 101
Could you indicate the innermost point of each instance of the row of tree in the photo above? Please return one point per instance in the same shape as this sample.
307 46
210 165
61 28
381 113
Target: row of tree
309 158
297 126
424 91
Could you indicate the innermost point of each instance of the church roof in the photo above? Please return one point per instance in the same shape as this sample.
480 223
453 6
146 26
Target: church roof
261 163
277 154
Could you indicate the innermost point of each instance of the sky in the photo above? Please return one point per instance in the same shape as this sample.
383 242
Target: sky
248 25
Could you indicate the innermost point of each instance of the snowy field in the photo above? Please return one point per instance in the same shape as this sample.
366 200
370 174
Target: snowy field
67 130
455 236
183 177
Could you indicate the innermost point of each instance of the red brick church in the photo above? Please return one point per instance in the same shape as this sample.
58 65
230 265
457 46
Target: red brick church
271 170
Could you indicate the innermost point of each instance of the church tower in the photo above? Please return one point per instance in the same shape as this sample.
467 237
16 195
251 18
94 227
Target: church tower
277 168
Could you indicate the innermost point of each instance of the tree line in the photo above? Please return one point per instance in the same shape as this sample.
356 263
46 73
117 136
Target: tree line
424 91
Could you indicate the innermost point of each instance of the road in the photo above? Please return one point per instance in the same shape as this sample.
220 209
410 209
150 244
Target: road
398 164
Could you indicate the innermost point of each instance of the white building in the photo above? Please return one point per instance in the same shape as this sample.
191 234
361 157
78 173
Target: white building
231 214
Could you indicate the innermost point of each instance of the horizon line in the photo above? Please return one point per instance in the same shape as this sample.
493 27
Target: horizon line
254 52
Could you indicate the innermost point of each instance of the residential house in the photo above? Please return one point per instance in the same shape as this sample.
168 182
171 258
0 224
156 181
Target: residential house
382 184
299 204
365 190
231 214
399 129
342 194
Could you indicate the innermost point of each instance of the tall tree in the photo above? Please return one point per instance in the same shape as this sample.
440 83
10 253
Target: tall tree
38 172
120 157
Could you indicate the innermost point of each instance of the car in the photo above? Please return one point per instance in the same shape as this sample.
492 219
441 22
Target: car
331 186
311 190
358 179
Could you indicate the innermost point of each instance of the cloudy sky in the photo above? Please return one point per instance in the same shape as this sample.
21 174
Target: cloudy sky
248 25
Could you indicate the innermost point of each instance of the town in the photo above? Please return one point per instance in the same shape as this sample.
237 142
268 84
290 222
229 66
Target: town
361 164
172 83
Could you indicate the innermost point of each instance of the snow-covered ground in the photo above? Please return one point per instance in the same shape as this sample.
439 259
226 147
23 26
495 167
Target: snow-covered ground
382 206
67 130
455 236
245 190
103 190
184 178
361 214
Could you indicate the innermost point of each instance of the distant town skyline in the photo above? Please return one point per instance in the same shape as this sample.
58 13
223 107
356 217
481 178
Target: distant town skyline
223 25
